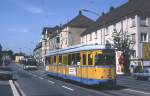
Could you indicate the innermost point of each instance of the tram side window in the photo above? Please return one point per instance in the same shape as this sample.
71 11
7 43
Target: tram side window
49 60
77 58
90 59
99 59
65 60
84 59
69 59
54 59
60 59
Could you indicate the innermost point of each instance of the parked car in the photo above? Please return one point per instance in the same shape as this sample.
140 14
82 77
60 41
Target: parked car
6 72
142 74
30 64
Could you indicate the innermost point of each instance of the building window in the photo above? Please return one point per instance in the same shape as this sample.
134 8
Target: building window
58 40
106 31
133 53
91 37
143 21
133 21
96 35
144 37
114 27
133 38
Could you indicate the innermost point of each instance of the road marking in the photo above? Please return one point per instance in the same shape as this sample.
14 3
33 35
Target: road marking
14 89
138 91
67 88
41 71
51 82
34 75
41 78
20 89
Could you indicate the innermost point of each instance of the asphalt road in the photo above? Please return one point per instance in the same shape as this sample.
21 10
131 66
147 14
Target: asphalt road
37 83
5 88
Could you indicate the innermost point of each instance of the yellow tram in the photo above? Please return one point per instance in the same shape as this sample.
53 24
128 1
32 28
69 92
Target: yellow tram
88 64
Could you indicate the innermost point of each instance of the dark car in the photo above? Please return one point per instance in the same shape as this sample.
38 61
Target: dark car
6 72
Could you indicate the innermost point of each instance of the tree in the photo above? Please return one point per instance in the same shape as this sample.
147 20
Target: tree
0 53
122 42
10 53
0 47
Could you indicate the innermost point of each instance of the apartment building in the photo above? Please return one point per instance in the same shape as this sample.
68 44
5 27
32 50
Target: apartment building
133 18
54 40
37 53
70 32
46 34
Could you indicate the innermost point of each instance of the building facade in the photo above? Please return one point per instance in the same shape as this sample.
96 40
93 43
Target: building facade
133 19
37 53
46 34
70 32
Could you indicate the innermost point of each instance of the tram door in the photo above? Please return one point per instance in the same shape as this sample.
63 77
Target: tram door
84 67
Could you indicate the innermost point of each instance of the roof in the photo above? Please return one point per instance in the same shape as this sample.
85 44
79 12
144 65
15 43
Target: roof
38 46
131 7
79 21
78 48
49 29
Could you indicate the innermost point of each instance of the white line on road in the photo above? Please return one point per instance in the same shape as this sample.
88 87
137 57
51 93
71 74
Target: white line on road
20 89
14 89
34 75
51 82
41 71
68 88
41 78
138 91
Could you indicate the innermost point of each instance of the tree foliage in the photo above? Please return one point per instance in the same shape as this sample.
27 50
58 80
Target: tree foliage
0 53
0 47
122 42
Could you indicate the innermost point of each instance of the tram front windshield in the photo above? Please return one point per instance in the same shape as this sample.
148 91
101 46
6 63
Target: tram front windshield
105 59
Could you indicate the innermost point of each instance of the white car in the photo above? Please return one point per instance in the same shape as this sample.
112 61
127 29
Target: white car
143 74
30 64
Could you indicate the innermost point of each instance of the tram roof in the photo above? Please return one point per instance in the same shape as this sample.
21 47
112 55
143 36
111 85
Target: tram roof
77 48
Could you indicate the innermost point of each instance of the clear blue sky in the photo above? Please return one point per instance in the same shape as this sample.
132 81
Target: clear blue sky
22 21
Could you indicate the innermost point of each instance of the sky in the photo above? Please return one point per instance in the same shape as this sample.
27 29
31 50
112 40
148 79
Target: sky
22 21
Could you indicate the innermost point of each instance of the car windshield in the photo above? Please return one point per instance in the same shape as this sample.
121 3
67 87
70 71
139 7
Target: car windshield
31 62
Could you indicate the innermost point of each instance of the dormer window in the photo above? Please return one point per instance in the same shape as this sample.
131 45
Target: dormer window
143 21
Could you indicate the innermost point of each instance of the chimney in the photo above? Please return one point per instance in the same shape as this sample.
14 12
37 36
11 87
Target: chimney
111 8
103 13
80 12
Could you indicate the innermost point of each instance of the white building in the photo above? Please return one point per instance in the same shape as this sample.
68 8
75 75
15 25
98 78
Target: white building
132 18
70 32
37 53
46 33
